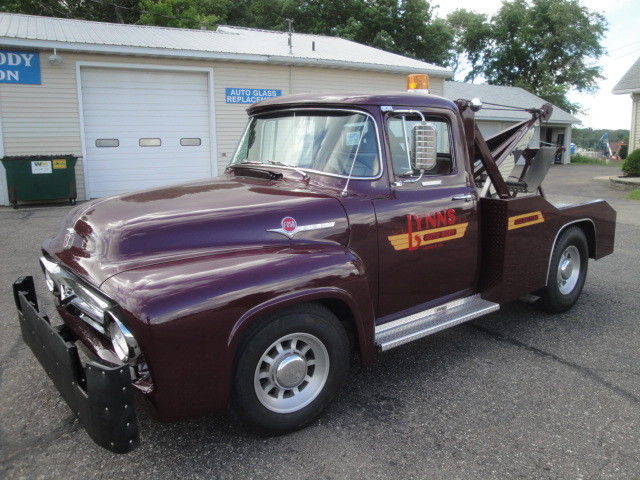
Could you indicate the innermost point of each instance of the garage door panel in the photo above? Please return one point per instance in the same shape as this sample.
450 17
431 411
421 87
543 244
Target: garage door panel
114 175
120 165
149 101
189 110
129 105
170 146
137 118
97 77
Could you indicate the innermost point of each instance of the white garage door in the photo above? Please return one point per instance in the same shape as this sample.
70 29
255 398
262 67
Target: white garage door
144 128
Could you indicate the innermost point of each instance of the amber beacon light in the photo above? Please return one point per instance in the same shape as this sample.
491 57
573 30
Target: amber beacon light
418 82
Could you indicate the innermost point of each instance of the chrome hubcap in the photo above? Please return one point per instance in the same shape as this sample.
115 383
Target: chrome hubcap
568 270
291 373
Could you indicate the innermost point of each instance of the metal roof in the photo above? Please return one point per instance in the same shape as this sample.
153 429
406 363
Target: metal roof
225 43
630 81
515 96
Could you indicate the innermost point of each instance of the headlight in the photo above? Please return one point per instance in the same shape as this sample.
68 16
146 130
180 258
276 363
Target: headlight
124 344
51 270
90 305
72 291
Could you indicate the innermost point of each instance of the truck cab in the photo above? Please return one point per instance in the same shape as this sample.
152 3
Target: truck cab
387 202
344 225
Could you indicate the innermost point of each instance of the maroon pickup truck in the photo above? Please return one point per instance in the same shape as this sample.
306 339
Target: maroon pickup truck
344 225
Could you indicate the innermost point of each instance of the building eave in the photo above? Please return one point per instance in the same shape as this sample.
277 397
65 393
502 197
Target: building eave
217 56
625 90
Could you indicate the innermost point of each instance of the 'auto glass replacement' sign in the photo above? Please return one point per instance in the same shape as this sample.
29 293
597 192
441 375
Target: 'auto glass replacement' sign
20 67
250 95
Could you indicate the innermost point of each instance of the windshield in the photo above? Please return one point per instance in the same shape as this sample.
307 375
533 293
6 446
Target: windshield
333 142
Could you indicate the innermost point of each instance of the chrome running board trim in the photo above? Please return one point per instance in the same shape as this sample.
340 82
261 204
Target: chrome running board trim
421 324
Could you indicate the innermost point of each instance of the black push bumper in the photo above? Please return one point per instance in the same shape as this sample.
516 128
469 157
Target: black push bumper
98 393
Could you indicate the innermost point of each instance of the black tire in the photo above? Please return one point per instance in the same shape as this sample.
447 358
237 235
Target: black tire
311 320
553 299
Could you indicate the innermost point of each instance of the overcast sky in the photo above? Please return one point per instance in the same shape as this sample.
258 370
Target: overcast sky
622 42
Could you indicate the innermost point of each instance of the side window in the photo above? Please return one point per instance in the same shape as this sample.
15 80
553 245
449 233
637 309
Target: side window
190 142
149 142
400 128
107 142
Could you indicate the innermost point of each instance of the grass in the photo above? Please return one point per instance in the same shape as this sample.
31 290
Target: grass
634 194
584 160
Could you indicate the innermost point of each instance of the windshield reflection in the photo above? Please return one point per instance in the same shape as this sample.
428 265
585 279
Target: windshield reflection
335 142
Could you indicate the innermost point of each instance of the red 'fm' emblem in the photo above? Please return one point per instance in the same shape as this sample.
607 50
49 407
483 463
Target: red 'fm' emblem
289 227
289 224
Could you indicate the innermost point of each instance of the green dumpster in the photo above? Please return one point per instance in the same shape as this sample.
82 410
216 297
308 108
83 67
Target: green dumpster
37 178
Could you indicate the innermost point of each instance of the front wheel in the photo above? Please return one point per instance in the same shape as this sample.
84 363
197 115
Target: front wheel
289 368
567 272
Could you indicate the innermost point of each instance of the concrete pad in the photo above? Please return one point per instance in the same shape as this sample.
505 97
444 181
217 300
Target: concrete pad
620 183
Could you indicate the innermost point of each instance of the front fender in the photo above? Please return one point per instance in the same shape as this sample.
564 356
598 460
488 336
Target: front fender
198 309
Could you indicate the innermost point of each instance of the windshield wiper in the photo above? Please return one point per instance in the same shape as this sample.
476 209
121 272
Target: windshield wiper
255 168
296 169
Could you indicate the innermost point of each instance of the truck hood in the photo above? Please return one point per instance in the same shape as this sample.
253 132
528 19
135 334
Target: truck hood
104 237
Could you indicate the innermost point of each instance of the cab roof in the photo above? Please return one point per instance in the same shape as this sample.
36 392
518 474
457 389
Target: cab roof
346 99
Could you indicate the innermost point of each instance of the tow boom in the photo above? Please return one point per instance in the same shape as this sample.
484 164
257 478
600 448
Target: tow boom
487 155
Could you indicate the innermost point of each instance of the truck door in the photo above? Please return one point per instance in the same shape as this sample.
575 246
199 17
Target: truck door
428 226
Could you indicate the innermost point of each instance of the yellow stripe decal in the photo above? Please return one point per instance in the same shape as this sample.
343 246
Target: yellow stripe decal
428 237
525 220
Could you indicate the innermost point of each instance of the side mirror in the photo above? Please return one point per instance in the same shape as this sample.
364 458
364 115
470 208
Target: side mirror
424 152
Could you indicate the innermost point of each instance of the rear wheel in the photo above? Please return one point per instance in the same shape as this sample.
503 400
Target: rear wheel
567 272
289 368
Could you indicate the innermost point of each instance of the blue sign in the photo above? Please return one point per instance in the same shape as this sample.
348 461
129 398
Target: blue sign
250 95
20 67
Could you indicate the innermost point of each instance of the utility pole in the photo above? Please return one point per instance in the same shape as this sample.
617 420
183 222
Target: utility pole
290 22
118 13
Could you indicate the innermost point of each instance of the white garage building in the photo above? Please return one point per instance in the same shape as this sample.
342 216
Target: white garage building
147 106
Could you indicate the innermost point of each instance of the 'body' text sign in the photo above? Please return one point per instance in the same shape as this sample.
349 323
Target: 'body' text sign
250 95
20 67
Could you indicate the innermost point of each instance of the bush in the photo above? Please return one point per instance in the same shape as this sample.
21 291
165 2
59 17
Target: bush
624 151
631 166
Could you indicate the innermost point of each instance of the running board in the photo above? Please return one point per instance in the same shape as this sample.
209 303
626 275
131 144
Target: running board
427 322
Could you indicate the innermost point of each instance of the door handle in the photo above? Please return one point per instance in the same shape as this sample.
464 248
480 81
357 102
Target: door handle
467 197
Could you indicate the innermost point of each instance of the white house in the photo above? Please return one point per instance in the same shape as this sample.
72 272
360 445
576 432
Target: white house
630 84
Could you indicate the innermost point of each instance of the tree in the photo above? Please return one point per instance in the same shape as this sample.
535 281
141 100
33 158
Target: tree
407 27
545 46
589 138
183 13
121 11
471 35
